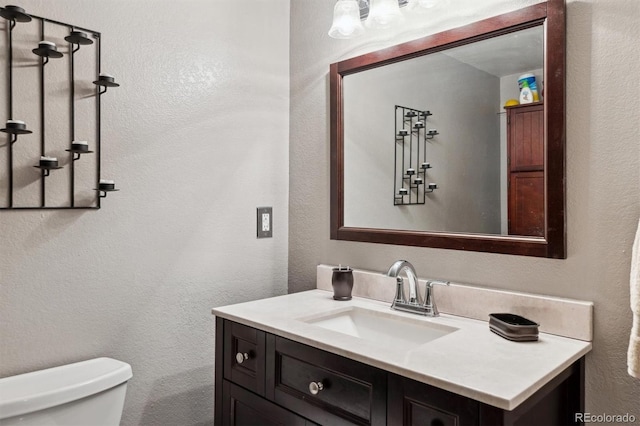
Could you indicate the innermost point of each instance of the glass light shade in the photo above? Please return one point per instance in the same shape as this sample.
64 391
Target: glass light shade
422 5
427 4
383 13
346 20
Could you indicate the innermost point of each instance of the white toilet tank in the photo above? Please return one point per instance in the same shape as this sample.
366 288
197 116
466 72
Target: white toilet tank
87 393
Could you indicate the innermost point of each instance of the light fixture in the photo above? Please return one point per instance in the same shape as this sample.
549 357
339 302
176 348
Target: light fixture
346 20
377 14
383 14
426 4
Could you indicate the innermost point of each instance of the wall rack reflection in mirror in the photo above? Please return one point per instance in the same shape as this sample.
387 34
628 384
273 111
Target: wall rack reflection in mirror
411 160
73 73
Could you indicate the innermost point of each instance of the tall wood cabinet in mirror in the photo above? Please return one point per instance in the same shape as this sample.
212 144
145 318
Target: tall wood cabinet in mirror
525 153
485 227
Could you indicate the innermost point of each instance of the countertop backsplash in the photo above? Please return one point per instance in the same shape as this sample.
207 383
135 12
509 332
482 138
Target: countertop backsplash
563 317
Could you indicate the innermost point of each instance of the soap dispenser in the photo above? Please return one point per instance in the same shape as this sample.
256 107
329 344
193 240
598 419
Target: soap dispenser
342 282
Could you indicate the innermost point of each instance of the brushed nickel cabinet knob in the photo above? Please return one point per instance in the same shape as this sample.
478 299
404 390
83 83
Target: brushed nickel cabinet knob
315 387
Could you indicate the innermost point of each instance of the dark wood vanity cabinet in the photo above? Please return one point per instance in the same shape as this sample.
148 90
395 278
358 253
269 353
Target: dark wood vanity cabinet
282 382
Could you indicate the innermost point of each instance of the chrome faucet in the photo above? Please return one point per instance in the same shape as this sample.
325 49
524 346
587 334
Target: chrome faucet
413 305
394 271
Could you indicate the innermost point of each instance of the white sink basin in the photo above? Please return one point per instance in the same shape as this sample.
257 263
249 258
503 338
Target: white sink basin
386 327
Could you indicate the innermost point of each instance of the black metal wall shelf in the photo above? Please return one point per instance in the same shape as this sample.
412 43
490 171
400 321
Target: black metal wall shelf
47 50
410 168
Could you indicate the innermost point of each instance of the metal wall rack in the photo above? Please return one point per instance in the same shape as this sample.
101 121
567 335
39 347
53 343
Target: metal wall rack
411 165
77 38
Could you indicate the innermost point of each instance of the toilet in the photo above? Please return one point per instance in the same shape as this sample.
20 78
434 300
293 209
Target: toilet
87 393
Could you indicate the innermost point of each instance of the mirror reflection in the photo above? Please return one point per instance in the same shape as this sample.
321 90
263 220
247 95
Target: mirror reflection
430 146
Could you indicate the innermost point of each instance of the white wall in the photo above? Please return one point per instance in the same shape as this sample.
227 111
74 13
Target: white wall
603 180
465 158
196 137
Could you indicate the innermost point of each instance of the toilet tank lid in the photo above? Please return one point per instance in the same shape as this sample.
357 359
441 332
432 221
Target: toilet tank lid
42 389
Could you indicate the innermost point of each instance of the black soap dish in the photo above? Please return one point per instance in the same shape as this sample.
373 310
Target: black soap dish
513 327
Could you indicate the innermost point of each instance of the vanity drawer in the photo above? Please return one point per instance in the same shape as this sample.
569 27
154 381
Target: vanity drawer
345 391
244 356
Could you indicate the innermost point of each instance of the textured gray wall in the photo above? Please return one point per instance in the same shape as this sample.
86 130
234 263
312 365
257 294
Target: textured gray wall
197 138
603 181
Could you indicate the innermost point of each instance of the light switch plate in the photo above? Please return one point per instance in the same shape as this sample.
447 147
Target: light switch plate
264 224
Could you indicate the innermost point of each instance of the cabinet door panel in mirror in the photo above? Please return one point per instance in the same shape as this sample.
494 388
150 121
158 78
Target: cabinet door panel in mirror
464 89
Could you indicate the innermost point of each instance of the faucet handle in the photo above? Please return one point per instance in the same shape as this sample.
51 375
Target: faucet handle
431 283
429 300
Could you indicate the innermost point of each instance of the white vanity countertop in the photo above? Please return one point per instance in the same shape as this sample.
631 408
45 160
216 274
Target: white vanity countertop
472 361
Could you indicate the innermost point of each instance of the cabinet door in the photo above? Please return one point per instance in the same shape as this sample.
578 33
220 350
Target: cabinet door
244 356
526 203
526 137
243 408
411 403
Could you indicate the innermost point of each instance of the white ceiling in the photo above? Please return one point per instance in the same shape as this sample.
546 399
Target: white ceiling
509 54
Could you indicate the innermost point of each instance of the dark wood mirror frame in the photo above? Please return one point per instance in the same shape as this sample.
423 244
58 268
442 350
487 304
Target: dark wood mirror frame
553 244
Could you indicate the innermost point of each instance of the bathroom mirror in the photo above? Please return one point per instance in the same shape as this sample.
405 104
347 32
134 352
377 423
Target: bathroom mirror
430 112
